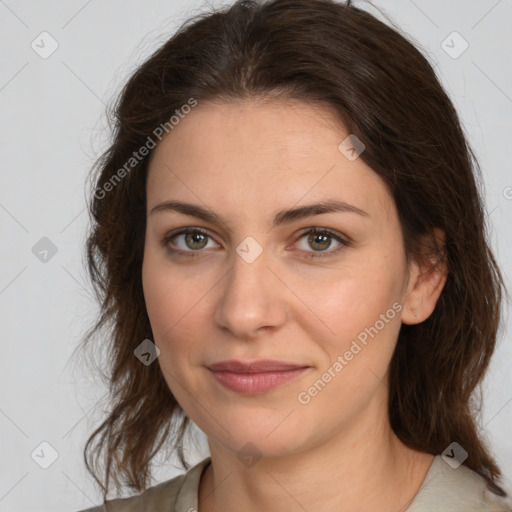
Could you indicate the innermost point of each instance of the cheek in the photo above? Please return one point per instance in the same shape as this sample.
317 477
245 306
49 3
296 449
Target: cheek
344 302
360 324
167 306
169 293
177 306
355 320
159 297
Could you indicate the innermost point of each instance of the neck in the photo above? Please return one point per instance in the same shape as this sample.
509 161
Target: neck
359 469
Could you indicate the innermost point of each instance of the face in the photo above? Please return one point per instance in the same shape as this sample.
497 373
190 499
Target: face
248 284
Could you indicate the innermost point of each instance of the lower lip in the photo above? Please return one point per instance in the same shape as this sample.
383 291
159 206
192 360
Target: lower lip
261 382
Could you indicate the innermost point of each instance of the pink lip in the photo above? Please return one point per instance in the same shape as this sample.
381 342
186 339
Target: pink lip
254 377
256 366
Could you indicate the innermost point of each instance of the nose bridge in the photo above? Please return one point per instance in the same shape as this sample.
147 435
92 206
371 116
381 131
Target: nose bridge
250 296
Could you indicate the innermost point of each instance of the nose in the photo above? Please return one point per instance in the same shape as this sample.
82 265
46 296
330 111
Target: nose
253 299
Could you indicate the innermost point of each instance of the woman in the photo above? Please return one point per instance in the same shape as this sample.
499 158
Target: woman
290 249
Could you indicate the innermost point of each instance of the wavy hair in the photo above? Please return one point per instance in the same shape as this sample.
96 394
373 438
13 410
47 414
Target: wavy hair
387 94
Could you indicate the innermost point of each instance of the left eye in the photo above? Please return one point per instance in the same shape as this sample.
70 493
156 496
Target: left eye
320 239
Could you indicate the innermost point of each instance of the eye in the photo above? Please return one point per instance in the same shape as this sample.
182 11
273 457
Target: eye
189 240
320 239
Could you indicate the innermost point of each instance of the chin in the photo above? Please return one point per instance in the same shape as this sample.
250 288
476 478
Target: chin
266 433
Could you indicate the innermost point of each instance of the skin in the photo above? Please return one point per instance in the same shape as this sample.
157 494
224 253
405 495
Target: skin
246 161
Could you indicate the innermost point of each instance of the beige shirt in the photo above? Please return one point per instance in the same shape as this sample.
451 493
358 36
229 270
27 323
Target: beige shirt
443 490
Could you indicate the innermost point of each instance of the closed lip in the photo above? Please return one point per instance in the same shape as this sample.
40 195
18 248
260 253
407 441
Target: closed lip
257 366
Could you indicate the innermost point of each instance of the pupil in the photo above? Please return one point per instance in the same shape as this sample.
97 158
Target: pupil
196 238
316 236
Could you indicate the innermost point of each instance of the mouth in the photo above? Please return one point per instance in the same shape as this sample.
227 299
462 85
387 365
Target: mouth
256 376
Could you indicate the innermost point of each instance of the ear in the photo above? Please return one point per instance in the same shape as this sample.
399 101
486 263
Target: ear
427 277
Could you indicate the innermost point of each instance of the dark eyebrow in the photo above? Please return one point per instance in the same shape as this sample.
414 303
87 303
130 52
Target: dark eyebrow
282 217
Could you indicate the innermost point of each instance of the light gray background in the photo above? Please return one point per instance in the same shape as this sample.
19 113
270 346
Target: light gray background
53 127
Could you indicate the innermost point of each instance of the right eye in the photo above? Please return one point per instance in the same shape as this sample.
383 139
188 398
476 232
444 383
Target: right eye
193 240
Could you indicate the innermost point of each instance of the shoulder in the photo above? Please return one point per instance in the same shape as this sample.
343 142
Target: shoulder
455 490
162 497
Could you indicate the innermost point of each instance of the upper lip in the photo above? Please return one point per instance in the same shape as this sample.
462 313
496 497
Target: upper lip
261 365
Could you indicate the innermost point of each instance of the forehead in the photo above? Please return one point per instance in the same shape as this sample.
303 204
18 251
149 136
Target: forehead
257 126
259 153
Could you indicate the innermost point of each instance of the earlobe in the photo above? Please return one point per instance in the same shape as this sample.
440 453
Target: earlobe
427 282
422 300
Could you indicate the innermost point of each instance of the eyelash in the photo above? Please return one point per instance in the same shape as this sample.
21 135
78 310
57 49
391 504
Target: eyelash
309 254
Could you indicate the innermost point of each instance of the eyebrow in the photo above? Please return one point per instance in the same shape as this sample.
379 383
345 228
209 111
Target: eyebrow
282 217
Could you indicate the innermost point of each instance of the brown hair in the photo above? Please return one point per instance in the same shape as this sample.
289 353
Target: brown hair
387 94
